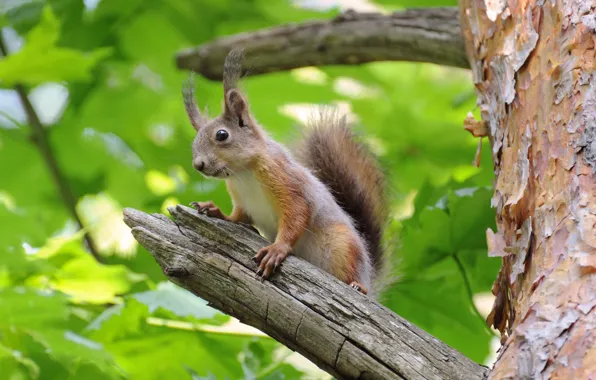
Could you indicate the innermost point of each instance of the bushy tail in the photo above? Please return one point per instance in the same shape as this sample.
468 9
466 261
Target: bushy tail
346 166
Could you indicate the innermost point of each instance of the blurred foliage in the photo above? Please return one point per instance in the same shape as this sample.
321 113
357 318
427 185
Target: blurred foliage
105 85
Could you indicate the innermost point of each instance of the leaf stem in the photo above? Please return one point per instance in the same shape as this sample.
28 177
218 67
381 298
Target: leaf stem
40 139
464 275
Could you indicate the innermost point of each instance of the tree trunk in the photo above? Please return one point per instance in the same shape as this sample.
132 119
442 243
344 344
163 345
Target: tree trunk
533 64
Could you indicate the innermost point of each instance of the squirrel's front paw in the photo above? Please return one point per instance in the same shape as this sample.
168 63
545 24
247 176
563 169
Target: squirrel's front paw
270 258
209 209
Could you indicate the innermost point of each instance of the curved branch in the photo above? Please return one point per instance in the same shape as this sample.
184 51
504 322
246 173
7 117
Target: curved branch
339 329
420 35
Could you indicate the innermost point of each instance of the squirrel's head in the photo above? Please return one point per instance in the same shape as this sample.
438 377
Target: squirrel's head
232 141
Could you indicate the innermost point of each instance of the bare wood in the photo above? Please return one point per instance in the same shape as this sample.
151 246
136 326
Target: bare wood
339 329
533 67
418 35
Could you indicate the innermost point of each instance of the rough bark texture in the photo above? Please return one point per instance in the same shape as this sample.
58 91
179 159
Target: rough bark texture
533 64
422 35
339 329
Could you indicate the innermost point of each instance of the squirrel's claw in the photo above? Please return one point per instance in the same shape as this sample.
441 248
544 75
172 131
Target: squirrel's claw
359 287
270 258
208 208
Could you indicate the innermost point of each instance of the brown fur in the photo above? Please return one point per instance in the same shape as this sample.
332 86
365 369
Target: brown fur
329 148
288 197
346 255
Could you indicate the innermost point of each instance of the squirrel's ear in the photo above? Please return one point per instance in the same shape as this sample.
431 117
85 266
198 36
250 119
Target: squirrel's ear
196 119
236 106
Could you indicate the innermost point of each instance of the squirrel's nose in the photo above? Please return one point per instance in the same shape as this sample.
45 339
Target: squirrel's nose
199 165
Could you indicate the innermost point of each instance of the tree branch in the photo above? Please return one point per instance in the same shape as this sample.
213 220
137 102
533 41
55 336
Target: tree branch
339 329
420 35
40 140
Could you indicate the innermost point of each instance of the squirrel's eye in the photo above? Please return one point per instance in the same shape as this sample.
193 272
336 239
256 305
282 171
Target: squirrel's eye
221 135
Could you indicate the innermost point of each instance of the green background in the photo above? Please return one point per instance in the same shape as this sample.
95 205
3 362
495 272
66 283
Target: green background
105 85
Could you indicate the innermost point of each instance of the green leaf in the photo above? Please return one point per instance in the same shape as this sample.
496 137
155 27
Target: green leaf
437 301
180 303
470 217
18 267
125 328
443 263
267 360
80 276
35 210
28 309
77 354
36 325
41 60
167 301
173 350
16 366
118 321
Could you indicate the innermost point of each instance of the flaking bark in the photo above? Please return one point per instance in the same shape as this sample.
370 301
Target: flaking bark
533 63
418 35
339 329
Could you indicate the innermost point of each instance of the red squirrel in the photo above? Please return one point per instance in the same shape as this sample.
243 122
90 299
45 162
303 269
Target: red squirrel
324 204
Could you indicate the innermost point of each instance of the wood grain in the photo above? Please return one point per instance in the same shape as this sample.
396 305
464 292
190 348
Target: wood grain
336 327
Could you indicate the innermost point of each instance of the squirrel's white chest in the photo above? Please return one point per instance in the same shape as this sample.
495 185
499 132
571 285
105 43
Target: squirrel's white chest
255 201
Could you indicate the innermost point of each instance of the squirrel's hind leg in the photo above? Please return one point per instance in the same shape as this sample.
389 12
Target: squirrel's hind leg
347 256
358 286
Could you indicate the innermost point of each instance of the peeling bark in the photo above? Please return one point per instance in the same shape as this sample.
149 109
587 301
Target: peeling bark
342 331
533 65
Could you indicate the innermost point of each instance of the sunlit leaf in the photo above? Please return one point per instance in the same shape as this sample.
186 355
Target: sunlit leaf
41 60
36 325
17 366
179 302
79 275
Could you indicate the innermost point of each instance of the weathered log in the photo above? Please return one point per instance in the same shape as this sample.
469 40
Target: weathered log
342 331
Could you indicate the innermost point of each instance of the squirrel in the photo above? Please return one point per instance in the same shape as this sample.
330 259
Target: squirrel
324 203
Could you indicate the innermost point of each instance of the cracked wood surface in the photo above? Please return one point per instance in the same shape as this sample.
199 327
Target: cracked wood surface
339 329
418 35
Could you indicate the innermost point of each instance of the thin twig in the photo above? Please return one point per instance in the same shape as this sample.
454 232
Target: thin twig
470 293
40 139
14 121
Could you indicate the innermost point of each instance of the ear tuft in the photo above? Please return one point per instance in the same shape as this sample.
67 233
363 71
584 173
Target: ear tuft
192 110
